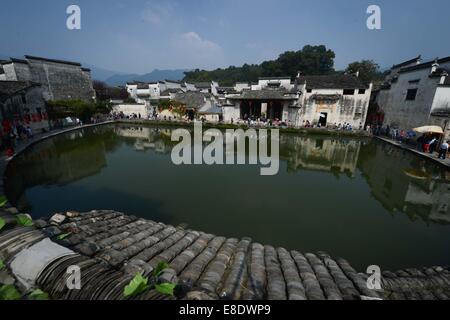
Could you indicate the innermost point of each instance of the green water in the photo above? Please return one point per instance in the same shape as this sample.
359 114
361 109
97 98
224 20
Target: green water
359 199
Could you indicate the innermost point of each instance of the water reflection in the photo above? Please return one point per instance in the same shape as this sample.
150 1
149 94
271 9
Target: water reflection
401 182
406 184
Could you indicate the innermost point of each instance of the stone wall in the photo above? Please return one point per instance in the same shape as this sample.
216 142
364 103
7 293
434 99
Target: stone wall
59 80
62 81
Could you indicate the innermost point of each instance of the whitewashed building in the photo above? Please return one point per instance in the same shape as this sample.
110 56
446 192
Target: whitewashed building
416 94
332 100
326 100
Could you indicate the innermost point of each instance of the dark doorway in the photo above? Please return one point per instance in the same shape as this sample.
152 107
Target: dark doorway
274 110
250 109
323 119
190 114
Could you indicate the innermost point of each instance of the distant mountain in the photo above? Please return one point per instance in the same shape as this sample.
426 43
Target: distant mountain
155 75
100 73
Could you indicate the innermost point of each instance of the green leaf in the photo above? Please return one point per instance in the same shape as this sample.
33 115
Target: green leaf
3 201
24 220
38 294
165 288
2 223
2 264
137 285
160 268
9 292
63 236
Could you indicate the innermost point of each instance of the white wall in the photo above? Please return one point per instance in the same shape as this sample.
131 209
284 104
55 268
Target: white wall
130 109
404 114
231 112
346 109
239 86
283 83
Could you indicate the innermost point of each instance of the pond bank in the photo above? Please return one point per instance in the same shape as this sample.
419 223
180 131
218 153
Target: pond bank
432 157
111 247
223 126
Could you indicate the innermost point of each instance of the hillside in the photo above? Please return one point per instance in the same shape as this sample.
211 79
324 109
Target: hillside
311 60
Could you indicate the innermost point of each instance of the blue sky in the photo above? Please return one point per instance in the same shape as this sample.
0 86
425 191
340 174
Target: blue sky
140 35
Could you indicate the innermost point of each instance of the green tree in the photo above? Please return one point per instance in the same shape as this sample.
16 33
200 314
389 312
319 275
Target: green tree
76 108
312 60
369 71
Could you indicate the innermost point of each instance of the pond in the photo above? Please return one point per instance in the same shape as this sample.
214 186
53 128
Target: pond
360 199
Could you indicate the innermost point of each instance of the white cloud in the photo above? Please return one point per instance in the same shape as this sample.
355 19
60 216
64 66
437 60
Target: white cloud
198 51
157 13
194 41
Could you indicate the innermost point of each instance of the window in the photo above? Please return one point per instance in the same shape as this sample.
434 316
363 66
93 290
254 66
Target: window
309 90
362 91
411 95
349 92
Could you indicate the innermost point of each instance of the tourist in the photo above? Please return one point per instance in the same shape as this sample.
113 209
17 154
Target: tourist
443 151
29 132
433 143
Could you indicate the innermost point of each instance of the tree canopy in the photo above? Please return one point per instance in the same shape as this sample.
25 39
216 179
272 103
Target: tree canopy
369 71
311 60
76 108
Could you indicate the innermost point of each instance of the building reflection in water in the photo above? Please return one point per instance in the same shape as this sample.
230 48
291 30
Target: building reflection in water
400 181
320 154
403 182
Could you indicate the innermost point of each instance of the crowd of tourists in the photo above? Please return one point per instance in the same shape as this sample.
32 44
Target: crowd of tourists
430 143
11 134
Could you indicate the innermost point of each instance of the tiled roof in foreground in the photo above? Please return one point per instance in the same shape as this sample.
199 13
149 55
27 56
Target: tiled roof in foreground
111 247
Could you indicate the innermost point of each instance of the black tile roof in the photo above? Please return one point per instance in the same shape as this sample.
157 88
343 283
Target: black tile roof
425 65
142 86
274 78
171 90
406 63
53 60
11 60
172 81
192 99
134 82
265 94
341 81
202 85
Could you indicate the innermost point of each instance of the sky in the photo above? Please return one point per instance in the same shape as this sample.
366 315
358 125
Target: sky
141 35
